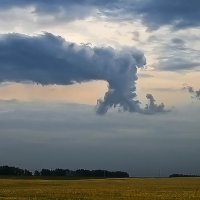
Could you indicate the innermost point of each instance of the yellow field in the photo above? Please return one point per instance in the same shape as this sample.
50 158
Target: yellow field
137 189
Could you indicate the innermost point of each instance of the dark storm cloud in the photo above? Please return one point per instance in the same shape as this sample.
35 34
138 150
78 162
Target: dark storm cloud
48 59
179 14
66 10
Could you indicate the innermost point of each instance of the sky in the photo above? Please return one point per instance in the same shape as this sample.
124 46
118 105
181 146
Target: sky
100 85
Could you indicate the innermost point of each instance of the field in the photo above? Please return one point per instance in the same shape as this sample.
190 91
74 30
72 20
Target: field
101 189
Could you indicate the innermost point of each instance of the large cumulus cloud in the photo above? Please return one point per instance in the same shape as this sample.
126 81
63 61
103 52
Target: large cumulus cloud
48 59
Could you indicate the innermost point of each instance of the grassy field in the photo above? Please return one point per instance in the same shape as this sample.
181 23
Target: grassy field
137 189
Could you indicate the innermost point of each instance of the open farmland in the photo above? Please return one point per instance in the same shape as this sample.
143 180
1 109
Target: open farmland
102 189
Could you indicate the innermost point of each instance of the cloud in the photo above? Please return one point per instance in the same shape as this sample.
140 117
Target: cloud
178 41
58 11
47 59
152 107
179 14
136 36
175 54
177 64
195 93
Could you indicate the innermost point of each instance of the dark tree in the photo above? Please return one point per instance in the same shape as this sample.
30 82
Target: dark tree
46 172
36 173
14 171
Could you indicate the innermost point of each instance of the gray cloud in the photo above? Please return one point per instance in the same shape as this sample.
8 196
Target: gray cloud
152 107
175 54
178 41
195 93
177 64
136 36
47 59
154 14
178 13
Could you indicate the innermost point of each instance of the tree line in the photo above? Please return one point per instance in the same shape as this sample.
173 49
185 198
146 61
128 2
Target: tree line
15 171
183 175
